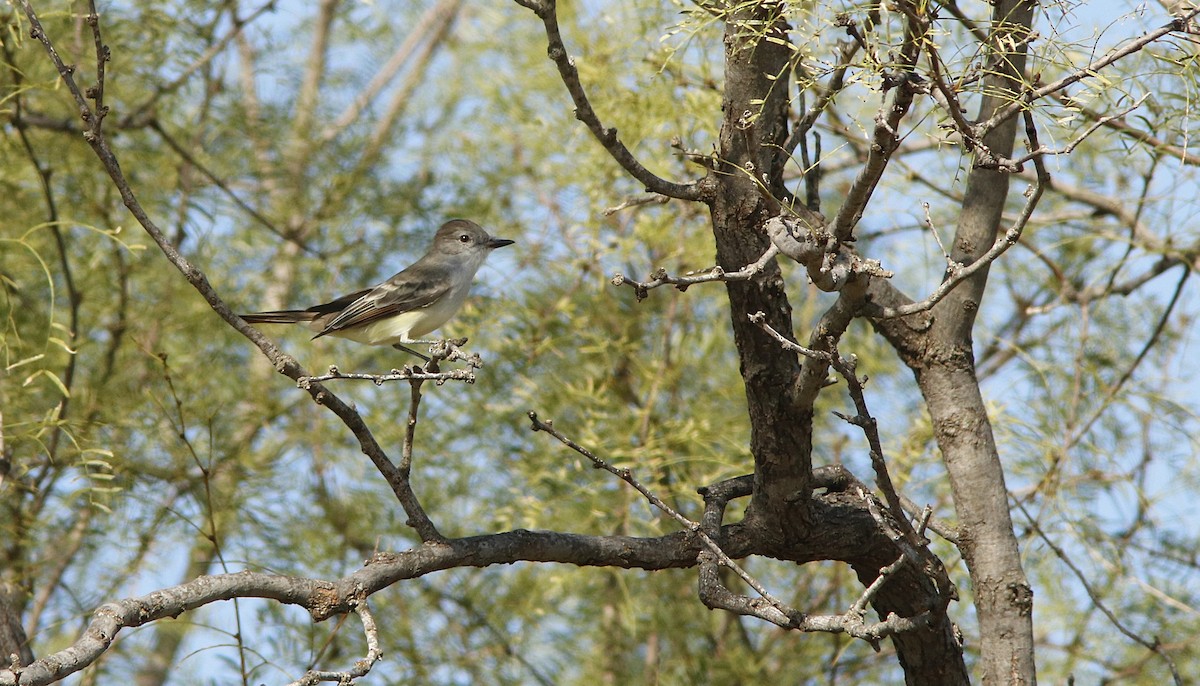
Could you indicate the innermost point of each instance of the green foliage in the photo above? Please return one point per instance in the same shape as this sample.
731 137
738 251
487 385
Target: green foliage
148 444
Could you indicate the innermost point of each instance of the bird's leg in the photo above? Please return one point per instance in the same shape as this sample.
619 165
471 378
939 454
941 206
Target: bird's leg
441 349
406 349
456 342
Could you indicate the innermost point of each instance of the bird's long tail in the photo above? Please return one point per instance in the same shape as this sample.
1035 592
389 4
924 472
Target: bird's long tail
280 317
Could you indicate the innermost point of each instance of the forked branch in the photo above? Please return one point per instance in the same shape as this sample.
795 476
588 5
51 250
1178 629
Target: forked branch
713 592
1179 24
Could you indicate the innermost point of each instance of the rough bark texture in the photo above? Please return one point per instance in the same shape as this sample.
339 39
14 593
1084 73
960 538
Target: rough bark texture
753 132
13 640
783 519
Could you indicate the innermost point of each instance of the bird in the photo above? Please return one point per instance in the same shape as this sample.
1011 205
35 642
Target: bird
410 304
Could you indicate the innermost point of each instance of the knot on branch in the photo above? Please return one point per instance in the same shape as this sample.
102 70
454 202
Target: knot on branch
808 242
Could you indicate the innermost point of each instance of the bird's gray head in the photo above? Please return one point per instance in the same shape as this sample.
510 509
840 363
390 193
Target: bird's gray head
459 236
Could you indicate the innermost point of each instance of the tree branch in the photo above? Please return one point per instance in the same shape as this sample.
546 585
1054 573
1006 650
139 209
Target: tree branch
324 599
1179 24
886 136
283 363
956 272
1123 127
546 10
360 668
660 277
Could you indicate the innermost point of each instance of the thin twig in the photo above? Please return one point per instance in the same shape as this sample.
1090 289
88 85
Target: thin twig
1116 386
1154 645
1123 127
1016 164
156 126
924 515
405 374
860 605
362 666
650 199
837 81
1177 24
660 277
448 350
626 475
956 273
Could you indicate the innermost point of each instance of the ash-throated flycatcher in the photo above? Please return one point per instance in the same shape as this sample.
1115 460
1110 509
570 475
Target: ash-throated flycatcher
410 304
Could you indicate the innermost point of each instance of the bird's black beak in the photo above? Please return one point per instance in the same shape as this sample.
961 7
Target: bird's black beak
498 243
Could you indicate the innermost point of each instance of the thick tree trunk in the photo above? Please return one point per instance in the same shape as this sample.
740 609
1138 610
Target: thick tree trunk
746 184
1003 597
757 72
938 349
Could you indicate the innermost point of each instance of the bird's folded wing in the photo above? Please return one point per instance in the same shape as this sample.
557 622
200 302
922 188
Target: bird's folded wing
335 306
305 315
388 299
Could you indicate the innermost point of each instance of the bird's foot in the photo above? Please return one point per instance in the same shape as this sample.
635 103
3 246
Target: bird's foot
441 349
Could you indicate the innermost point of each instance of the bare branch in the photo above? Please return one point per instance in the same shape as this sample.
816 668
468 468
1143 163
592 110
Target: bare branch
325 599
448 350
715 595
958 272
650 199
360 668
417 518
405 374
660 277
547 12
860 606
913 545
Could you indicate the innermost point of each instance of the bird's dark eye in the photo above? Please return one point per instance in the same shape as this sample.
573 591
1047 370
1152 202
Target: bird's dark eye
464 238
